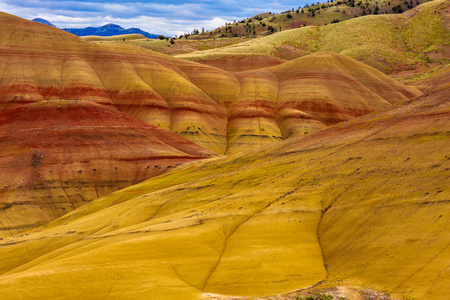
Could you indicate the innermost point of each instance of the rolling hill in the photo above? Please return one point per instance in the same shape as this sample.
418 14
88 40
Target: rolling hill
362 203
219 110
50 72
305 95
315 14
390 43
44 63
436 81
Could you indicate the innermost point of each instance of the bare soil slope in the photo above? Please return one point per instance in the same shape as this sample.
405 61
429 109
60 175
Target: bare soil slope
58 155
437 81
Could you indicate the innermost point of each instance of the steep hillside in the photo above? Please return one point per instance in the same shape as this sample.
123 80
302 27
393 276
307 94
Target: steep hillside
387 42
319 14
362 203
218 110
316 14
58 155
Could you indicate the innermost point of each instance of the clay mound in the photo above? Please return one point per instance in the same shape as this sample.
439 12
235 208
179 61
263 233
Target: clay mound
305 95
58 155
334 88
362 203
221 111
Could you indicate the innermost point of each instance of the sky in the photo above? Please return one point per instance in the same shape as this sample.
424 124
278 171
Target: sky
170 18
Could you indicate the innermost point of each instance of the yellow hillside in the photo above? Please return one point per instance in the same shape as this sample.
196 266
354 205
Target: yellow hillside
362 203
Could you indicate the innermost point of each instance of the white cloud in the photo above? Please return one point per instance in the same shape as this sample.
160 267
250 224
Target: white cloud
168 17
151 24
120 8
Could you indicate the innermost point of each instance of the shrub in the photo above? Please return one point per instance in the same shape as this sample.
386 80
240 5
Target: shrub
397 9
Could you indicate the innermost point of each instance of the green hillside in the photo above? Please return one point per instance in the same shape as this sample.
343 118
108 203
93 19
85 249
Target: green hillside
387 42
315 14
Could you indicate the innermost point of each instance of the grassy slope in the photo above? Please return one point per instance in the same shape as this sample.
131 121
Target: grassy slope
363 202
324 13
386 42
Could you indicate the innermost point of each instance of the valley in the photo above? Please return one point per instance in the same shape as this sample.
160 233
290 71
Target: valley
311 163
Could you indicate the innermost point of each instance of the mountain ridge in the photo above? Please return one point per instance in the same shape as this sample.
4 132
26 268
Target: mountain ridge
109 29
45 22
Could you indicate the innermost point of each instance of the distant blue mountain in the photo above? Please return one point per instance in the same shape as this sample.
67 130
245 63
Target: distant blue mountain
42 21
106 30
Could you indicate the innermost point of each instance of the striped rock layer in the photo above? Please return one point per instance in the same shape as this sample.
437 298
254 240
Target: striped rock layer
57 155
